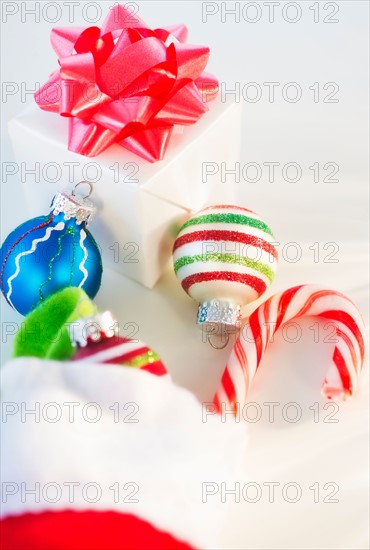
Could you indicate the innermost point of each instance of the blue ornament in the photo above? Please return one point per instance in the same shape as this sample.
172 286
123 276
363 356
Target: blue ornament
51 252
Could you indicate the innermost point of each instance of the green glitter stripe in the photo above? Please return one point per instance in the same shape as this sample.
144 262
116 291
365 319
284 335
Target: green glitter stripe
142 360
69 231
73 256
228 218
226 258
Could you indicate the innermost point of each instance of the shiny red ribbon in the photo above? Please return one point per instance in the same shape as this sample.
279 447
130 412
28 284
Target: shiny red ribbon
126 84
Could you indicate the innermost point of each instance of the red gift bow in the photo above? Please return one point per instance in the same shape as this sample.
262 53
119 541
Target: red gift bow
126 84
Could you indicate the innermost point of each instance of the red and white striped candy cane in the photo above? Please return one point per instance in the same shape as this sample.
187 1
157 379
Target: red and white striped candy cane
304 300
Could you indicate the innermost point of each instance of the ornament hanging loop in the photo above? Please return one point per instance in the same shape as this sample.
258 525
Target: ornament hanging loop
81 183
217 342
222 346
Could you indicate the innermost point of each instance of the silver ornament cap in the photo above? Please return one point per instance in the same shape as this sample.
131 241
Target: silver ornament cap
93 329
74 206
226 315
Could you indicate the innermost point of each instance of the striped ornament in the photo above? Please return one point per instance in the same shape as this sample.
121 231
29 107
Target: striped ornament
305 300
225 252
122 351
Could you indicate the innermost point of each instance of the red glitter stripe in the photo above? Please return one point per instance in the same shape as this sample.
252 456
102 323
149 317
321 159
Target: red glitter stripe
102 345
126 356
343 370
40 226
156 368
229 388
346 319
250 280
225 235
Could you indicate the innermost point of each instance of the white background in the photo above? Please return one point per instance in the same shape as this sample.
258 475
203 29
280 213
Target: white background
305 212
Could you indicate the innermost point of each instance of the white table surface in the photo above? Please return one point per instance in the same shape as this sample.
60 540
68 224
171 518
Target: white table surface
305 212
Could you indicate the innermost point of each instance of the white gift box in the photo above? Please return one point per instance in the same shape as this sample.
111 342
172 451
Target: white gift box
140 204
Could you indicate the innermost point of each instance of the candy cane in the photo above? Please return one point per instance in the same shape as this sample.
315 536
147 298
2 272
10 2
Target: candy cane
348 355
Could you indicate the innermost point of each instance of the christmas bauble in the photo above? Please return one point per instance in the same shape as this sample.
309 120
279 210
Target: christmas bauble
97 341
224 257
48 253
